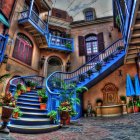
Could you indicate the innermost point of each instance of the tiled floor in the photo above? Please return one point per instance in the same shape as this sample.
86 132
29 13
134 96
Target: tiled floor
117 128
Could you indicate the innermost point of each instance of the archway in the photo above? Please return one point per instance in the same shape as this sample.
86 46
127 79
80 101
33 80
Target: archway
54 64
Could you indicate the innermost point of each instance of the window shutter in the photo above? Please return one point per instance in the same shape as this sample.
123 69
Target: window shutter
82 47
101 42
17 45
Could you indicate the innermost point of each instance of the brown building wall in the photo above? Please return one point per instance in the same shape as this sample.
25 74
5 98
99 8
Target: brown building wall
13 65
120 81
7 7
85 30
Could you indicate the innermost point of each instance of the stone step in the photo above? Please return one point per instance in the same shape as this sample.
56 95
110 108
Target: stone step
30 121
32 129
34 114
31 109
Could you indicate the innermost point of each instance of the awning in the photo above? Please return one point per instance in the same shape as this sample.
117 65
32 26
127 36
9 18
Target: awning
4 21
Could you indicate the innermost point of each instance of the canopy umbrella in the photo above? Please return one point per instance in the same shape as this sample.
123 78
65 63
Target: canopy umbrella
137 85
129 88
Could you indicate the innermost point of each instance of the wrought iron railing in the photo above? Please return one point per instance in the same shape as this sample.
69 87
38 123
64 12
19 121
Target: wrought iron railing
23 79
54 80
35 19
3 43
61 43
126 14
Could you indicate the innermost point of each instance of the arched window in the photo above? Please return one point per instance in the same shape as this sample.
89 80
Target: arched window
89 14
91 44
23 49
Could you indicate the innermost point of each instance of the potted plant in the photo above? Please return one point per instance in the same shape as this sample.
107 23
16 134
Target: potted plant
16 113
18 88
130 106
52 115
68 45
98 66
118 22
43 103
99 102
8 104
120 48
41 93
136 105
89 73
23 89
33 85
66 108
28 85
106 59
123 99
82 77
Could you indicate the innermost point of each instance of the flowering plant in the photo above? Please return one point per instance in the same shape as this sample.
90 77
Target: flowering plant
8 100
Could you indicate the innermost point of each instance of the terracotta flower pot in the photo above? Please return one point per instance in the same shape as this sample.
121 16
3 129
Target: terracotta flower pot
130 110
19 92
28 89
6 113
43 106
65 118
136 109
99 104
15 115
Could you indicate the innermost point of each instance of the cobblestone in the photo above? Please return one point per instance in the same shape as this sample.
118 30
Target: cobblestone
116 128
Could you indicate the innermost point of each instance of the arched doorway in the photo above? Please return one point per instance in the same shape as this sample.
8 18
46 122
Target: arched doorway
54 64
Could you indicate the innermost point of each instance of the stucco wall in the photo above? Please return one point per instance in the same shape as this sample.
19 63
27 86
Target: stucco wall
85 30
120 81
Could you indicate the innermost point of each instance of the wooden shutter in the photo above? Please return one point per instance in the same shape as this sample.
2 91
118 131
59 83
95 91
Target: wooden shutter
82 47
16 47
101 42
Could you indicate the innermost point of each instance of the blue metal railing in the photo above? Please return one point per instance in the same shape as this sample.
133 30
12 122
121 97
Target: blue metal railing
41 25
3 43
61 43
23 79
126 15
53 81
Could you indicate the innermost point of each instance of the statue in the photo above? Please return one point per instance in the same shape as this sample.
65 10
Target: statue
89 109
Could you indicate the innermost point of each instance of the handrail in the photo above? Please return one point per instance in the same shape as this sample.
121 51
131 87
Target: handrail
66 43
35 18
24 79
71 76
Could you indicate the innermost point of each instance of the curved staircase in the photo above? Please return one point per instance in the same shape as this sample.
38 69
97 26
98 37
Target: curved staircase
115 58
33 120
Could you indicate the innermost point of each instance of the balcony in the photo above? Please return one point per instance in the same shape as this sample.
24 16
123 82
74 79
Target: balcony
62 44
32 21
3 43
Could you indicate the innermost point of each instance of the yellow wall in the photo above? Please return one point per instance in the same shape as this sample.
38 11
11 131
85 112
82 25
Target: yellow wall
85 30
95 92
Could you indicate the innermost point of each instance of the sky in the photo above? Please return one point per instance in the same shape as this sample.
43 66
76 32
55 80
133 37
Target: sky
75 7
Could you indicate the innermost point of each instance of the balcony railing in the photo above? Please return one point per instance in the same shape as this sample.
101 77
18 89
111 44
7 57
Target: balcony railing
3 42
34 19
60 43
126 15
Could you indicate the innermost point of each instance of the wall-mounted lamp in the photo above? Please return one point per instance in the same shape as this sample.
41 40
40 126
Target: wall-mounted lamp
120 73
5 59
41 62
68 65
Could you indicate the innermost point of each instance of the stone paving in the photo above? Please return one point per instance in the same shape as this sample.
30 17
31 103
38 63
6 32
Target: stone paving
116 128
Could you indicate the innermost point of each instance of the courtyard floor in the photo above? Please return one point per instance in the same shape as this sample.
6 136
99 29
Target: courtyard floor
116 128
